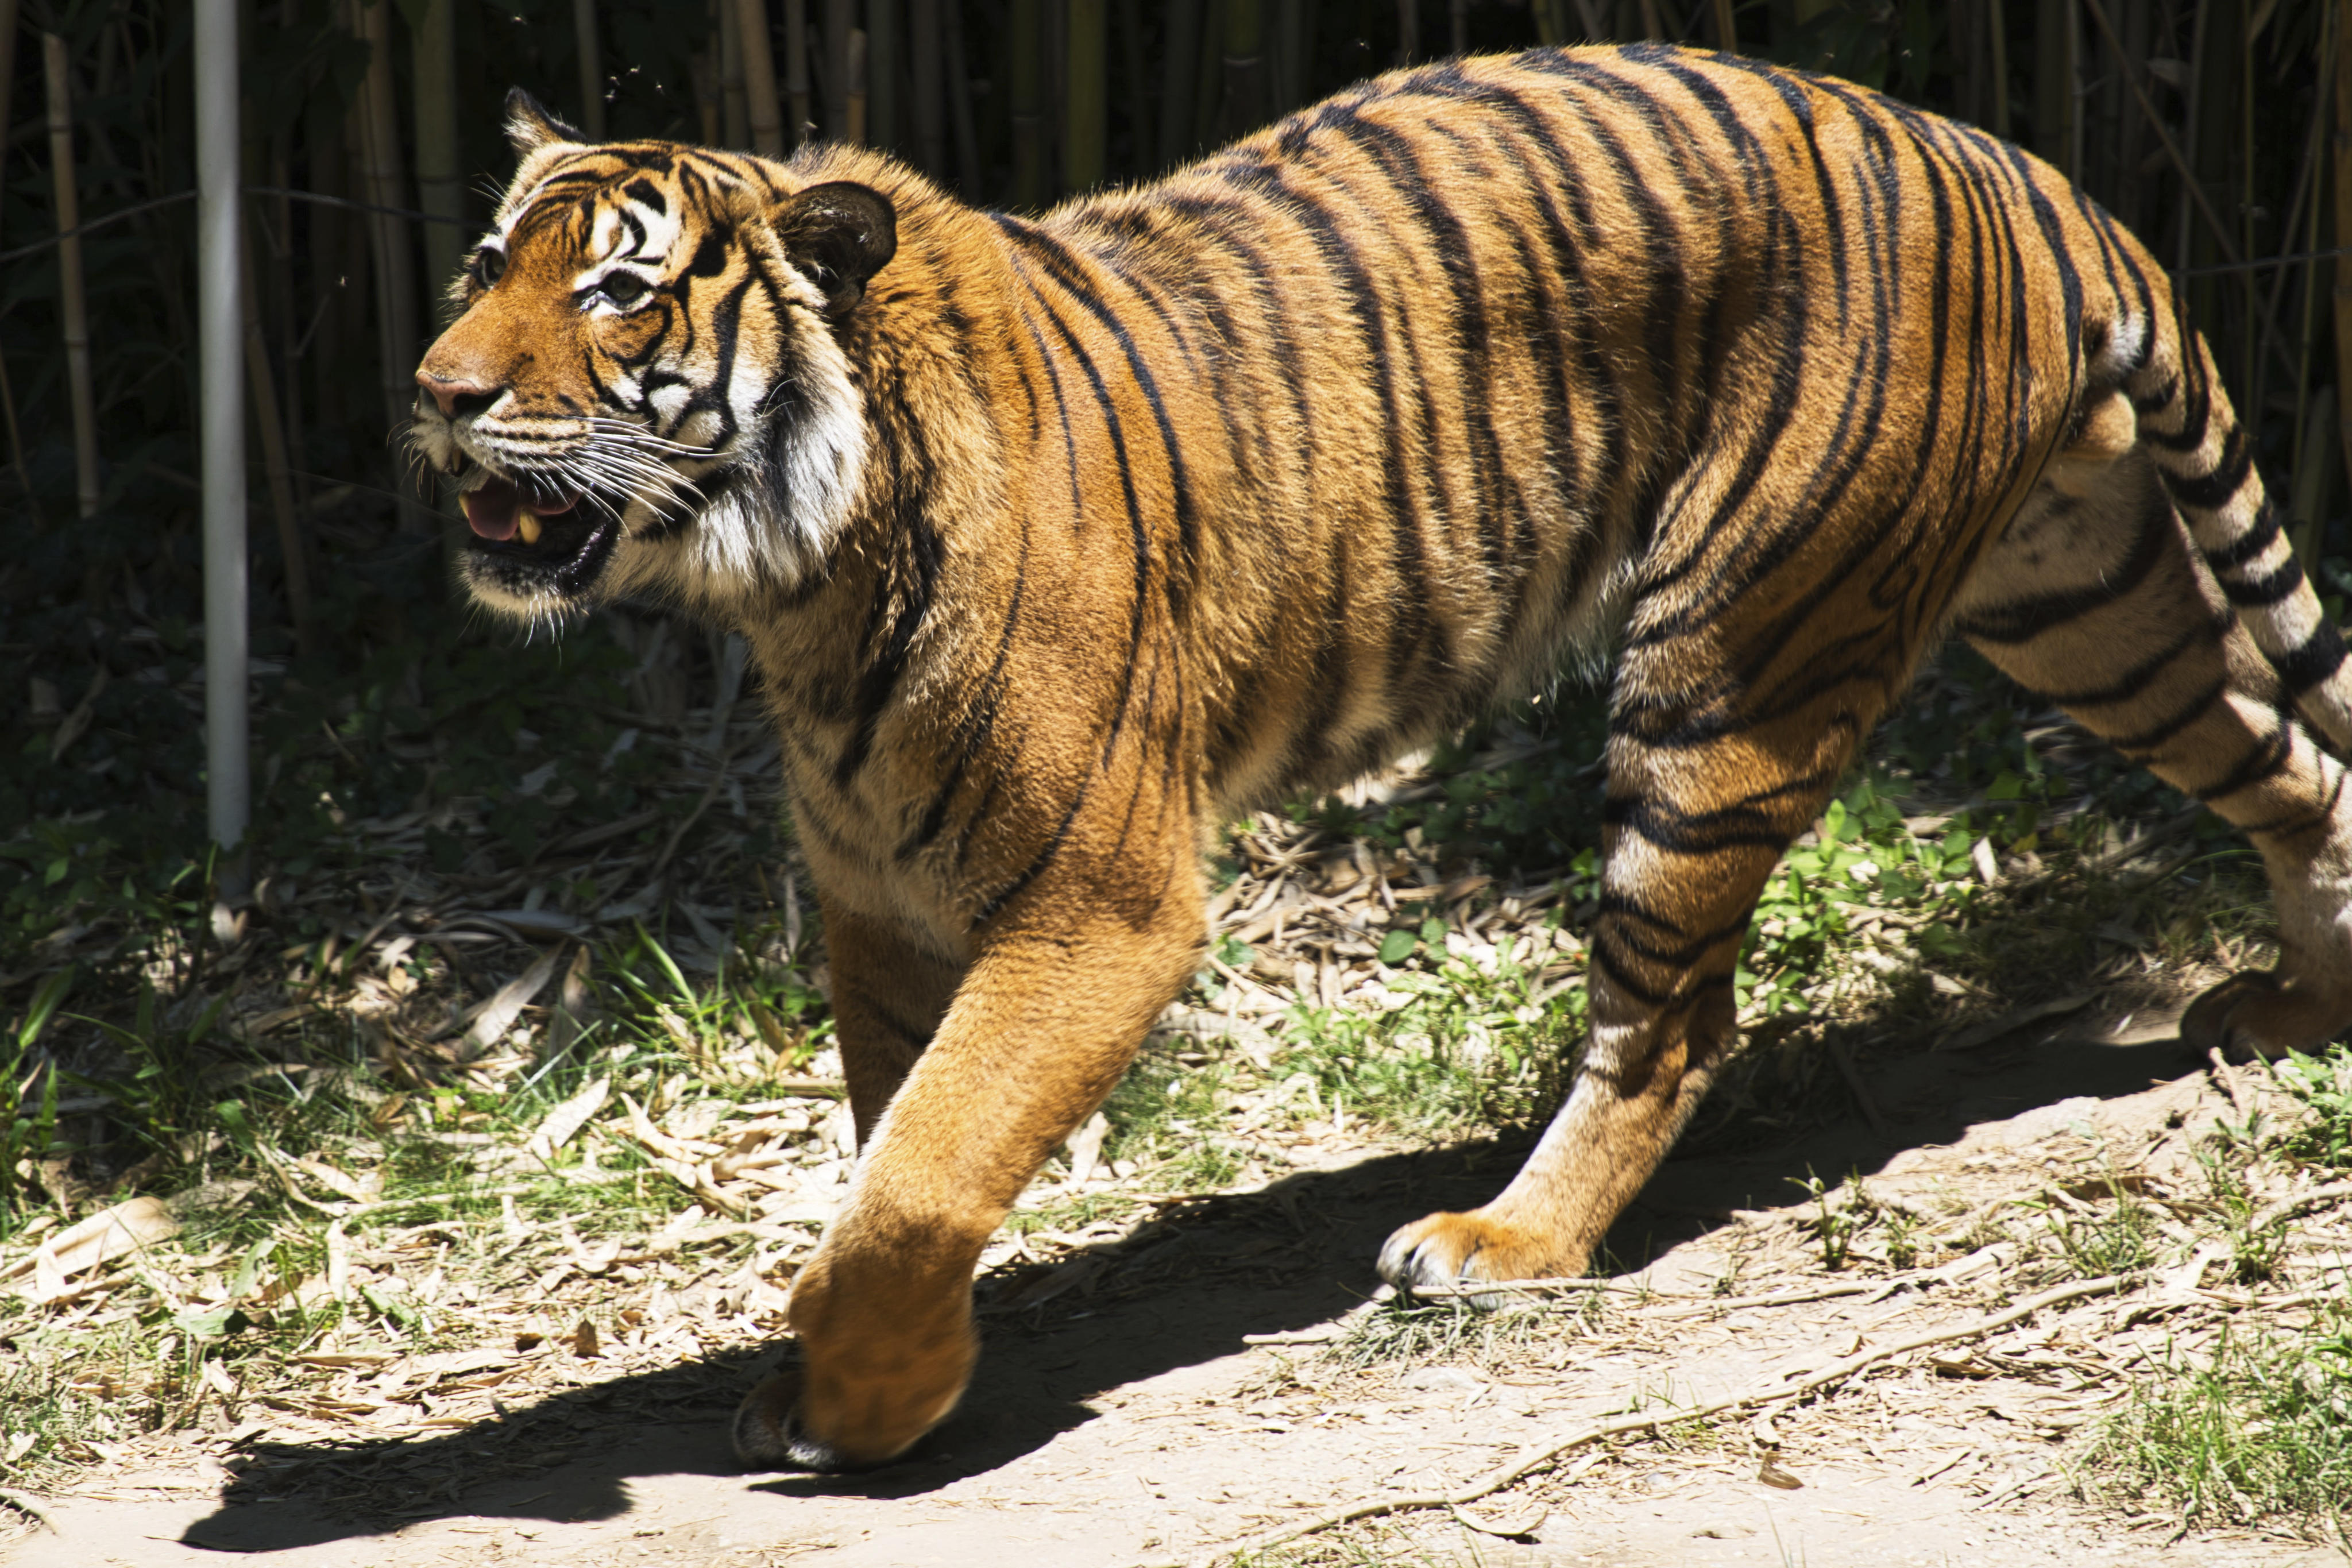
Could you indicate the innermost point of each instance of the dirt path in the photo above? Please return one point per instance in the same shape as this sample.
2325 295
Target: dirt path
1143 1417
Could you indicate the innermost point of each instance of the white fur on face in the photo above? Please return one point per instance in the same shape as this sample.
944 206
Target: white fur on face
781 461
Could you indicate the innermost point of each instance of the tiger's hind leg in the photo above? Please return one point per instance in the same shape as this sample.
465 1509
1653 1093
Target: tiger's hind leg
1702 802
2097 599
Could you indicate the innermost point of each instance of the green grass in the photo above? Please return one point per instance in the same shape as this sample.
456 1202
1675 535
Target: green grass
1402 1330
2323 1085
2256 1432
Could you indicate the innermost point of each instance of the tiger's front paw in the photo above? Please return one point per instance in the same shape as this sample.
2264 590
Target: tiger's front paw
1458 1248
767 1429
885 1356
2257 1014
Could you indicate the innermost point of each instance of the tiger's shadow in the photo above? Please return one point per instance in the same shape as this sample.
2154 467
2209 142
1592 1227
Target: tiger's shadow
1282 1260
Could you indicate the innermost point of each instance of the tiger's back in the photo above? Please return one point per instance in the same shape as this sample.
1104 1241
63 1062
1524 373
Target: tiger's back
1689 349
1054 539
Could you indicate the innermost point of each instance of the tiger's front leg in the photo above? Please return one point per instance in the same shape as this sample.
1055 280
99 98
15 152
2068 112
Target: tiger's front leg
1062 988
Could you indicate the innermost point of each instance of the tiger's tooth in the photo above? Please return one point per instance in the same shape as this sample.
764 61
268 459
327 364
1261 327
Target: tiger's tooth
526 525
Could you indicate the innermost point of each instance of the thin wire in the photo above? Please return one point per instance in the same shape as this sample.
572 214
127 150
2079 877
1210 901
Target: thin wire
2262 261
97 223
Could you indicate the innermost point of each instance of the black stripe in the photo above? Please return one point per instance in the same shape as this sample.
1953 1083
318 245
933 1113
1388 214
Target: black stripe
2253 592
2147 741
1412 625
979 722
1608 965
2254 542
1065 270
918 574
1743 825
2266 762
2320 657
2227 476
2134 682
2026 619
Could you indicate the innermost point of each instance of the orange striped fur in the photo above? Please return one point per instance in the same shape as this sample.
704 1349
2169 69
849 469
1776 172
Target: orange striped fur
1058 541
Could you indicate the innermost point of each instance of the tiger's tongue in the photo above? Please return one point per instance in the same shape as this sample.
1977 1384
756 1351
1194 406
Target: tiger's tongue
495 510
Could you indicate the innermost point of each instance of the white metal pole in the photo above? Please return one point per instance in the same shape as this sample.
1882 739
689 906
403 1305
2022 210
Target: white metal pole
221 373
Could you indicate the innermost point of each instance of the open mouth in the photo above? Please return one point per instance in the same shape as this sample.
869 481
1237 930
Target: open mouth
534 521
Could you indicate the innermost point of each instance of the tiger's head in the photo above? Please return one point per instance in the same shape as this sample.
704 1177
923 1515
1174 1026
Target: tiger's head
646 389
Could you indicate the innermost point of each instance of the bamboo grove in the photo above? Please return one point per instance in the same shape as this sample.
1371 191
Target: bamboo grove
2220 129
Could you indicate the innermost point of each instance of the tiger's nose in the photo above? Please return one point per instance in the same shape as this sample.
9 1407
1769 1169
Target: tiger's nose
458 394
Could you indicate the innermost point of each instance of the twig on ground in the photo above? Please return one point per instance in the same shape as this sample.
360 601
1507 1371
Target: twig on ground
1685 1302
1495 1481
2334 1193
30 1508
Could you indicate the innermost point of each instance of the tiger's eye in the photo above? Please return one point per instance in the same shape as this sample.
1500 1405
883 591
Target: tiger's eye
490 266
623 288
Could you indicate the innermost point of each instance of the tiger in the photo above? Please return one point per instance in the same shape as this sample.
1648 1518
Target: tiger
1059 540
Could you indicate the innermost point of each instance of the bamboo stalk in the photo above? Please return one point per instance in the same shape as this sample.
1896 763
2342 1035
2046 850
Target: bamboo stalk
2344 223
263 383
927 33
7 57
2310 432
883 46
72 307
2308 514
1593 15
2252 379
440 181
1458 14
1408 32
1547 19
8 393
737 104
768 138
395 267
968 178
592 70
1727 30
2202 203
796 70
2054 88
1997 27
1181 53
1209 76
1143 125
1085 133
840 21
1244 108
857 132
285 299
1032 175
704 63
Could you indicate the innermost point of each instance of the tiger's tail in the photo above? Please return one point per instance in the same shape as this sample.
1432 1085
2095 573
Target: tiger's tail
2206 457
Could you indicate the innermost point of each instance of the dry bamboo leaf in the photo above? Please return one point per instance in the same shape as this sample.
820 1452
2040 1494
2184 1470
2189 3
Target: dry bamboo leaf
498 1014
1517 1525
359 1190
1085 1148
338 1262
130 1225
563 1123
656 1141
583 1340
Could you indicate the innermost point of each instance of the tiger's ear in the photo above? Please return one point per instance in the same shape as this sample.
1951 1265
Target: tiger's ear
530 126
839 234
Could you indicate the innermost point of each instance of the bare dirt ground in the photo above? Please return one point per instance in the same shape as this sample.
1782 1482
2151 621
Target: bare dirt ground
1178 1393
